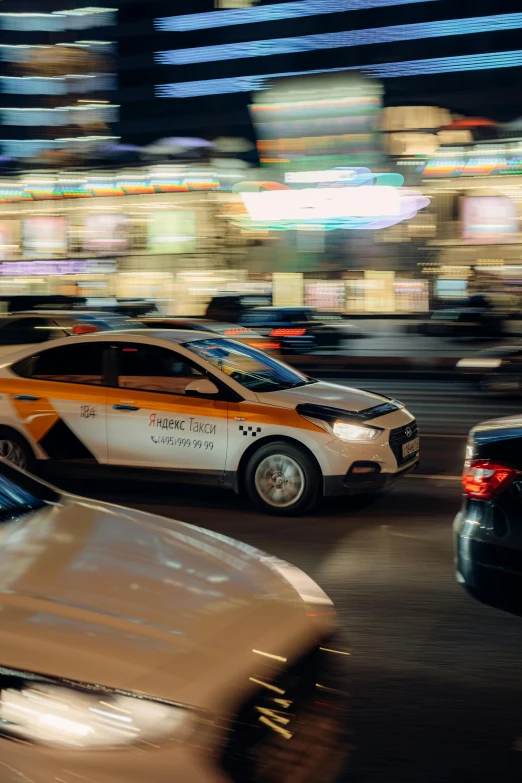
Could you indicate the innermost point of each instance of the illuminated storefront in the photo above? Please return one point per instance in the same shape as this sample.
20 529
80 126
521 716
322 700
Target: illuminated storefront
337 239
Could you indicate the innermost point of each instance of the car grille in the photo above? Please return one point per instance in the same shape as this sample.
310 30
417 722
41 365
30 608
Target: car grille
398 437
291 729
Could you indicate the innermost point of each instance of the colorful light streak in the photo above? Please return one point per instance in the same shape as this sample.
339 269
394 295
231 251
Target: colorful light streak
114 187
270 13
73 19
361 204
475 62
467 167
345 39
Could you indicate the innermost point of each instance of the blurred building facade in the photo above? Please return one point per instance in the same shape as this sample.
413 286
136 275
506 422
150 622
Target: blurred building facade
58 80
369 196
179 234
190 68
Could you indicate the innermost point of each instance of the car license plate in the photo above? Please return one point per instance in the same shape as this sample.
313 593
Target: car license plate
410 448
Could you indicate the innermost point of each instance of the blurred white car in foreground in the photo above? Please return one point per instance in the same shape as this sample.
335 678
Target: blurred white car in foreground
134 648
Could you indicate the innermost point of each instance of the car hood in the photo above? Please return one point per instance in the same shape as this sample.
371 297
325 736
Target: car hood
504 428
97 593
322 393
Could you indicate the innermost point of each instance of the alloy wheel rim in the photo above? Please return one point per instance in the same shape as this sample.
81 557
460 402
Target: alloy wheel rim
13 453
279 480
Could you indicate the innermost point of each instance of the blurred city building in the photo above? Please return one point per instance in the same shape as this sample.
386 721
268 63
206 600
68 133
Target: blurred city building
179 234
189 68
319 122
389 189
58 82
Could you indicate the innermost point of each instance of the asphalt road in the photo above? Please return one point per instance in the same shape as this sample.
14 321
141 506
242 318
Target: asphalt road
434 678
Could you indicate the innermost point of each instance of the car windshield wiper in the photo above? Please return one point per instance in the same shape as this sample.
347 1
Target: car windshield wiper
302 383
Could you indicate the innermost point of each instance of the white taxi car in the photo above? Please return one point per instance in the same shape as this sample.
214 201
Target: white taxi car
207 408
135 648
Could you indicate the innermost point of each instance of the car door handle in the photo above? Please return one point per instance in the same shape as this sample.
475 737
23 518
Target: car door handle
26 398
125 408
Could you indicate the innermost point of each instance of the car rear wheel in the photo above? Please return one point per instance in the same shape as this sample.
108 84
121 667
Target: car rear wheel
282 479
15 449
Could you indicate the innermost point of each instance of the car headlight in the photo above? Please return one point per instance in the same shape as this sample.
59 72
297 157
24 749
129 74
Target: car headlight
83 717
479 364
345 431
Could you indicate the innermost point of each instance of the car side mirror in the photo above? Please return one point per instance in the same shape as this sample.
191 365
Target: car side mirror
201 388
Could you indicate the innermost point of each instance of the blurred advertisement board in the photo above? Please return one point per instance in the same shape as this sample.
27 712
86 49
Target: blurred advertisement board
172 232
106 233
67 266
8 247
288 289
489 219
45 236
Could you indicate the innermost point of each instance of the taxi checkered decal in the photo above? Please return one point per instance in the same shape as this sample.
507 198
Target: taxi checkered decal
252 431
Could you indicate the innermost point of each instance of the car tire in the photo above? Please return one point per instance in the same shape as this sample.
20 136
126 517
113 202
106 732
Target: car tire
16 450
282 479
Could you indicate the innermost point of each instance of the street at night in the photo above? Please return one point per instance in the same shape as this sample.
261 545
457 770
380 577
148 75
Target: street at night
260 391
433 676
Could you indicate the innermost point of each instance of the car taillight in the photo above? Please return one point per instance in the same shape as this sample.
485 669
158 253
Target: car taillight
84 329
263 346
287 332
483 480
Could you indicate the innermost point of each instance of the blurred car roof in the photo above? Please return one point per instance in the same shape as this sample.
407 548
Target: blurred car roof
68 313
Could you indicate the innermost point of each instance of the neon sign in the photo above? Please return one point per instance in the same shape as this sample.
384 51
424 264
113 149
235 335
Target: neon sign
358 202
80 266
345 38
473 62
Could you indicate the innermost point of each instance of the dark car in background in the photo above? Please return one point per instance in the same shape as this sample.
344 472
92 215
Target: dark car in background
463 323
25 302
302 328
488 527
39 326
496 369
233 307
297 329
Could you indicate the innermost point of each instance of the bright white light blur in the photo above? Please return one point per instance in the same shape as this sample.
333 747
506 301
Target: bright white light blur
56 716
332 175
346 431
484 364
322 203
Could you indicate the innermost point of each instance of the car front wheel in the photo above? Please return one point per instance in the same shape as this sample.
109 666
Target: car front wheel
15 449
282 479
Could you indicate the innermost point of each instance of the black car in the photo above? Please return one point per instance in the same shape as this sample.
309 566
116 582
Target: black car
496 369
297 329
302 328
488 529
463 323
233 307
39 326
32 302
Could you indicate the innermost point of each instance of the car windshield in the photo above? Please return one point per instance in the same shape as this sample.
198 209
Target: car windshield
250 367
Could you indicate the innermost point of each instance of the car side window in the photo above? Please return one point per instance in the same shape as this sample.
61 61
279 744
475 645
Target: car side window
67 364
283 316
23 331
154 369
